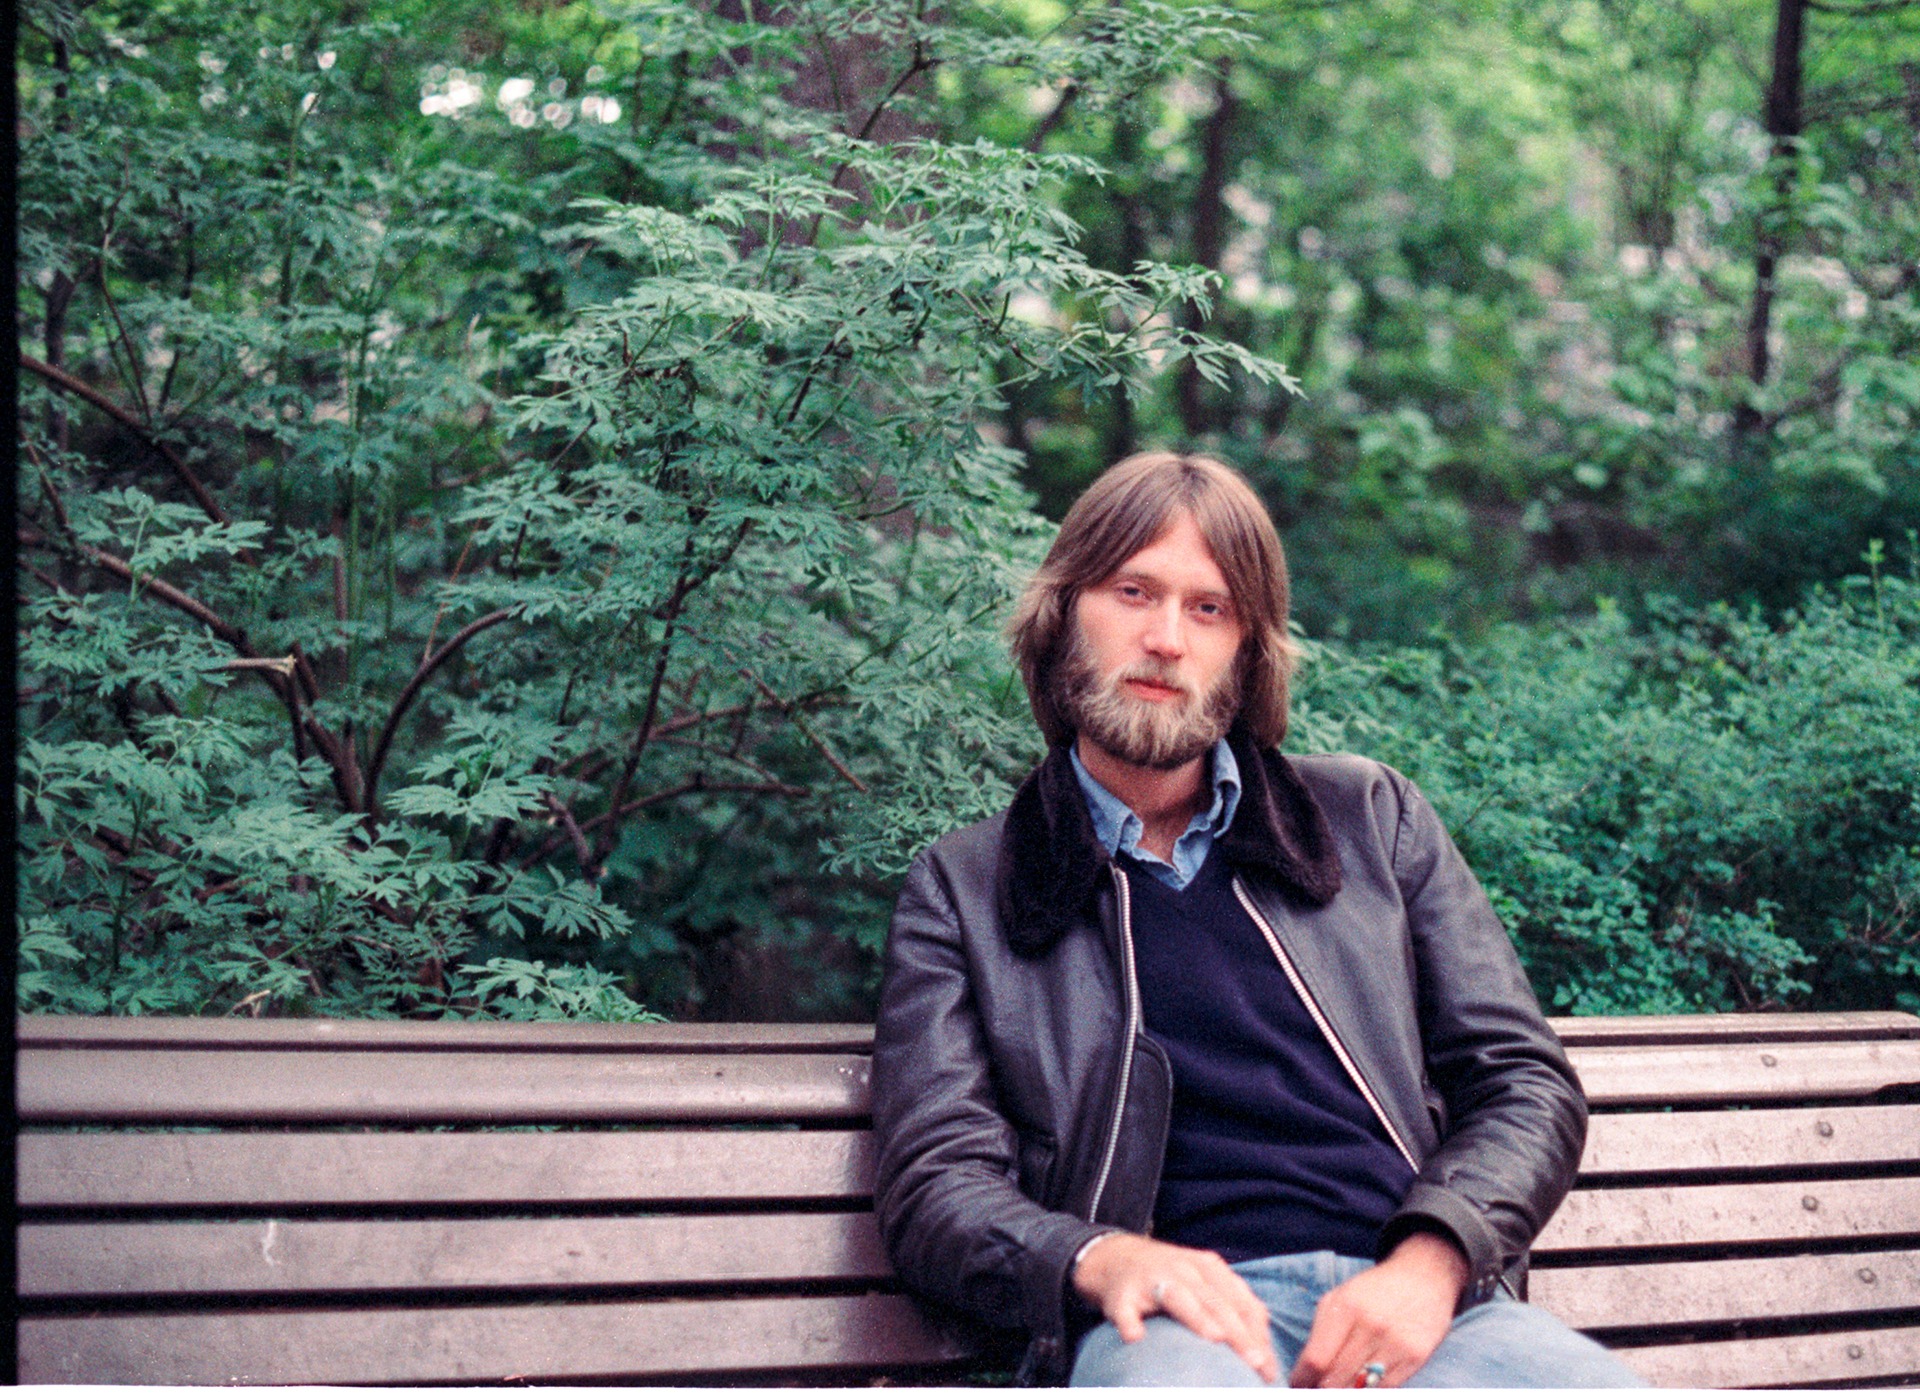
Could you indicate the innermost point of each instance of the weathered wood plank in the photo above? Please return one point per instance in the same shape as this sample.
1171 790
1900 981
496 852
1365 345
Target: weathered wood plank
141 1086
1773 1072
434 1258
1883 1355
442 1169
336 1034
1622 1145
1727 1290
1722 1027
152 1087
582 1341
1874 1209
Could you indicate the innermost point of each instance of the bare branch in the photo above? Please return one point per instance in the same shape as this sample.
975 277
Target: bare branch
807 731
434 628
1862 8
407 694
567 821
699 784
1051 121
66 382
920 64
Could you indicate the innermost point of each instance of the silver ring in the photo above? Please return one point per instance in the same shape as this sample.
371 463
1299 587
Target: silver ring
1375 1371
1159 1291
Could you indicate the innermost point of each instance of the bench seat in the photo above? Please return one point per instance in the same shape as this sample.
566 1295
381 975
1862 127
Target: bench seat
328 1202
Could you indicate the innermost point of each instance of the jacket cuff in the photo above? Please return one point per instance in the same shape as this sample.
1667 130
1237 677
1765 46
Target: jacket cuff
1428 1207
1049 1290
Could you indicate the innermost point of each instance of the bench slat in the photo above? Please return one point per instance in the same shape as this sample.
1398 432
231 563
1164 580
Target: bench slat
580 1341
1735 1026
209 1171
1728 1290
1874 1208
1623 1145
237 1258
152 1087
337 1034
1738 1072
141 1086
1885 1354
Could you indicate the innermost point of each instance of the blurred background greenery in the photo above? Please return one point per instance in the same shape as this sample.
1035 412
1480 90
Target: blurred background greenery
517 500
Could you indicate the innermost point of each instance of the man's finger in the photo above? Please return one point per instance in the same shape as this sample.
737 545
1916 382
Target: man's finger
1329 1333
1127 1319
1347 1366
1191 1308
1221 1308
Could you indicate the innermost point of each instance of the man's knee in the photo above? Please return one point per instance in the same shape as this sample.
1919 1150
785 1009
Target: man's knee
1170 1354
1508 1345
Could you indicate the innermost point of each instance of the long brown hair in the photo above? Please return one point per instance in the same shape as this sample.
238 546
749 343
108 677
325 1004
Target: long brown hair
1127 509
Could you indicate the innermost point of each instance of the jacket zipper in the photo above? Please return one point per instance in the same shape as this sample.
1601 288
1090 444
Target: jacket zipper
1326 1028
1132 1031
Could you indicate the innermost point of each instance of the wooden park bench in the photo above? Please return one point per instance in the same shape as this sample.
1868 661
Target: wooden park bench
343 1202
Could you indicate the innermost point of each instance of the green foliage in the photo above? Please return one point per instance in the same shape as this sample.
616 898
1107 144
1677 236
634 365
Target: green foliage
517 503
537 512
1709 812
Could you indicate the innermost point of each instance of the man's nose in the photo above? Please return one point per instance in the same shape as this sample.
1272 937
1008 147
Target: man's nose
1166 633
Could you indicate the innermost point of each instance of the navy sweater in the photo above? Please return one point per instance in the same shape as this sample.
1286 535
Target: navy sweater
1272 1149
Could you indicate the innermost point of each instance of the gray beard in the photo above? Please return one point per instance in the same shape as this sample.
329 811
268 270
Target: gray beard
1154 735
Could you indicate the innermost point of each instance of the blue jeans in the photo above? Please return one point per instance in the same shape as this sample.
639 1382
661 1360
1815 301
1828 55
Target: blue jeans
1499 1344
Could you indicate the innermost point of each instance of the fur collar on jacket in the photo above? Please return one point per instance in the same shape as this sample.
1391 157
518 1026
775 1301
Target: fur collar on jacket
1051 865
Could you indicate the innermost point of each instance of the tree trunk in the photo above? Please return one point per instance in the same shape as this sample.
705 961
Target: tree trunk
1209 239
1121 430
1783 133
60 293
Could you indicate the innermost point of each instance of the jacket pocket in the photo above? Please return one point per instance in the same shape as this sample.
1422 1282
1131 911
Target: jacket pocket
1436 1108
1037 1153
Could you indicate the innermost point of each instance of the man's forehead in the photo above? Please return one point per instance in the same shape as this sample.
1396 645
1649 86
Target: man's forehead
1180 547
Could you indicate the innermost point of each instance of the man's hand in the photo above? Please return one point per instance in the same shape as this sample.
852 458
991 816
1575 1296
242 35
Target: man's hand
1130 1278
1394 1313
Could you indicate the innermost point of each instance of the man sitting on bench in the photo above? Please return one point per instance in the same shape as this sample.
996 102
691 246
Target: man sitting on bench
1222 1046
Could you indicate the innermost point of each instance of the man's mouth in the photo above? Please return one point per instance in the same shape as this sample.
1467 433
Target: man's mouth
1152 690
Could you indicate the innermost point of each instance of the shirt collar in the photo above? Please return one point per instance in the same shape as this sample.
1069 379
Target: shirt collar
1118 828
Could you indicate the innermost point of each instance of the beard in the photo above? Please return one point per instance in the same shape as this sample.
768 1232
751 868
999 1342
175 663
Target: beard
1156 735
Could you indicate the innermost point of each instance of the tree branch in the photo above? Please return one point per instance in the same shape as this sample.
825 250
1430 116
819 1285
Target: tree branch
66 382
1051 121
153 586
920 64
699 784
1862 9
567 821
807 731
346 775
684 585
407 694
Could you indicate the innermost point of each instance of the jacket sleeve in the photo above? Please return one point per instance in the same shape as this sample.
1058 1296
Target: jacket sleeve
1515 1117
956 1224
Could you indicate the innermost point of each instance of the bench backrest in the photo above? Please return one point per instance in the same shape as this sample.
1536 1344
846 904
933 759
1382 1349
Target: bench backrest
324 1202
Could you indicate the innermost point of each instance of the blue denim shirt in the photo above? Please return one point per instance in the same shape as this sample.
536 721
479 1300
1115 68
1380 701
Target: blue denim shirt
1118 828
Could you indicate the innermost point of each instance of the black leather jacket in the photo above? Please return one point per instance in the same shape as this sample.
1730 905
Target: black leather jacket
1021 1110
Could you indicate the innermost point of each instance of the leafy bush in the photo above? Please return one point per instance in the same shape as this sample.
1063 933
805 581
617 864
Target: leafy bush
1707 812
479 540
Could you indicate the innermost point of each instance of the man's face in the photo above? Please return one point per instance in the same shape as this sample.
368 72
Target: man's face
1151 674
